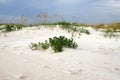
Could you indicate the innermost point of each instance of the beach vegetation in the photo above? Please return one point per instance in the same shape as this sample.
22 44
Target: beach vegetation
12 27
56 43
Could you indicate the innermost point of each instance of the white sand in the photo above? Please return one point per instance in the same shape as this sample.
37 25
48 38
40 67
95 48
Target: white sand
96 58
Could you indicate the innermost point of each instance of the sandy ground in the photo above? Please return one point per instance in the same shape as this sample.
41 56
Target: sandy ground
96 58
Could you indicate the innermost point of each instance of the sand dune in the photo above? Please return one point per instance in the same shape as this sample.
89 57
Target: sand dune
96 58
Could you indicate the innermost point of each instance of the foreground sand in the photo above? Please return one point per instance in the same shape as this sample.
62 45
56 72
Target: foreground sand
96 58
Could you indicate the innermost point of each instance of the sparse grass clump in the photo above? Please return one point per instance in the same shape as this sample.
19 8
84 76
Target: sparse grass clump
34 46
39 46
110 34
83 30
110 30
64 24
56 43
113 26
12 27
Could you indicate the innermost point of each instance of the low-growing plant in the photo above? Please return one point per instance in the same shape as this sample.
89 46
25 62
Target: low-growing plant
9 28
113 26
109 34
45 45
38 46
12 27
56 43
33 46
64 24
2 27
87 32
83 30
18 26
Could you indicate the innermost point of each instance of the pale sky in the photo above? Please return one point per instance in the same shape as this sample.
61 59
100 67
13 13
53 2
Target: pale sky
87 11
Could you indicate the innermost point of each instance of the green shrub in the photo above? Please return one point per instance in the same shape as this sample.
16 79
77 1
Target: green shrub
56 43
9 28
87 32
12 27
44 45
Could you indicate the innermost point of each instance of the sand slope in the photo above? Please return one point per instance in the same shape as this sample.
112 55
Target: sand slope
96 58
